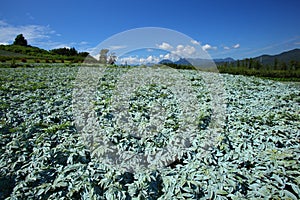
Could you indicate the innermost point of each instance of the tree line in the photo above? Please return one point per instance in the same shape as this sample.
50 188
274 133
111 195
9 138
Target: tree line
254 67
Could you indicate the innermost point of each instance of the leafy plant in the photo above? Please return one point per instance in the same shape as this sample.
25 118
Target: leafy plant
44 156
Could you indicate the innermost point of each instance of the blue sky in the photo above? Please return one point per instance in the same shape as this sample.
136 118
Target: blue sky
235 29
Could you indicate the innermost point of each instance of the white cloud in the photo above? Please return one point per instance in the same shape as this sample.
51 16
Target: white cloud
179 47
30 16
36 35
149 50
129 60
236 46
33 33
135 60
171 56
62 46
116 47
167 56
3 23
150 59
195 42
208 47
165 46
184 51
83 43
180 50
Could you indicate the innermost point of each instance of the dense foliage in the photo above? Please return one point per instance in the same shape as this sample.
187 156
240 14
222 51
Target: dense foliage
20 40
31 54
254 67
44 156
68 52
179 66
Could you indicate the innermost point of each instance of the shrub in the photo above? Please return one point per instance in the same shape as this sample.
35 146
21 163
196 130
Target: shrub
2 59
13 63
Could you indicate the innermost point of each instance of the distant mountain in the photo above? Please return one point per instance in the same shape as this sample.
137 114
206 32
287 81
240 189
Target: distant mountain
286 57
150 64
165 61
222 60
183 61
205 63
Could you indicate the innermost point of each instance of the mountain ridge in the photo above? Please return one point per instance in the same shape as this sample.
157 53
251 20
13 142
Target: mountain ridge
265 59
285 56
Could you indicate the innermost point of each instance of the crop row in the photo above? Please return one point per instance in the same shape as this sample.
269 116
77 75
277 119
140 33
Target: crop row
242 145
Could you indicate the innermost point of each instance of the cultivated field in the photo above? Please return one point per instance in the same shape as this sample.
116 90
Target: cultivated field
246 145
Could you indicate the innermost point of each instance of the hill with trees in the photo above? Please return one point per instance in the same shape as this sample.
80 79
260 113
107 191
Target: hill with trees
284 57
285 65
21 51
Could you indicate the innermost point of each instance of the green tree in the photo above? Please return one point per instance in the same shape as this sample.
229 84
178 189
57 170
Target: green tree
297 66
276 64
73 52
20 40
257 64
247 63
292 65
251 63
283 66
65 51
238 63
